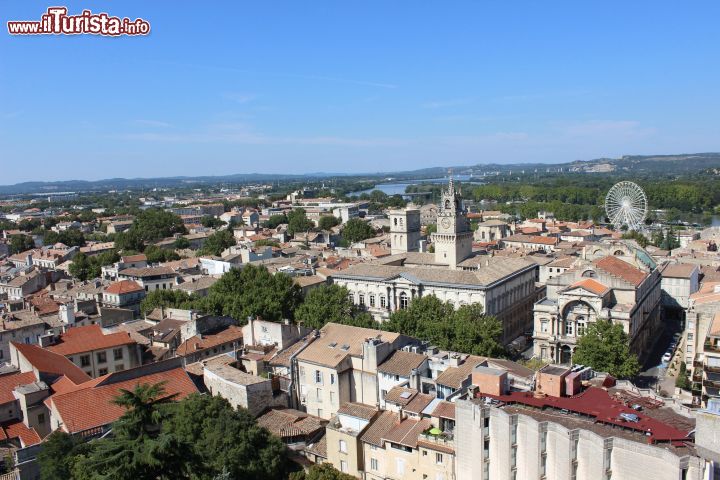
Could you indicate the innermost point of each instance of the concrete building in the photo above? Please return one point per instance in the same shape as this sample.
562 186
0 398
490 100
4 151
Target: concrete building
679 281
150 278
95 352
341 366
124 294
605 289
404 230
491 231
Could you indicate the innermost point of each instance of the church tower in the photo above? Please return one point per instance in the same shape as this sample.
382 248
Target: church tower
453 240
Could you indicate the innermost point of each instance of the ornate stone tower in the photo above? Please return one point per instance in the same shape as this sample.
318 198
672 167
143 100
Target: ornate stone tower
453 240
404 230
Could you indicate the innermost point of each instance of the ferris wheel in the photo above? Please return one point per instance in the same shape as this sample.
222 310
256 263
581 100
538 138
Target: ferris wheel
626 204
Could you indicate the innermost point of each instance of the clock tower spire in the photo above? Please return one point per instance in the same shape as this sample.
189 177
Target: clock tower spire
453 240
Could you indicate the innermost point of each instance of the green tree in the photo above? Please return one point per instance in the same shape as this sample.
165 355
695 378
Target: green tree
83 268
149 226
217 242
356 230
252 290
605 347
140 448
181 242
167 299
466 330
227 439
682 380
21 243
71 237
330 303
322 471
57 455
327 222
208 221
298 222
276 220
156 254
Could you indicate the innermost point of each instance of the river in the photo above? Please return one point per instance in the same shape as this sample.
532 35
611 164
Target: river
398 188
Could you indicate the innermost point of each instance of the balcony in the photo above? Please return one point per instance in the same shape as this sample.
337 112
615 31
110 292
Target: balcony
443 439
711 347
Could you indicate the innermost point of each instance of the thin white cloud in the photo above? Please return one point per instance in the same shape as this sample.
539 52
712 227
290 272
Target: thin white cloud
153 123
448 103
240 97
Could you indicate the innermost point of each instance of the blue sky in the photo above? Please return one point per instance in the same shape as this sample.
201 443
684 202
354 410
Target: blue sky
356 86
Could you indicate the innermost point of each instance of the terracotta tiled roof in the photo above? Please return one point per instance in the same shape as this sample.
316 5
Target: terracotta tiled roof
679 270
88 339
407 432
196 343
282 359
123 287
358 410
620 268
419 403
287 422
590 285
134 258
532 239
455 376
444 410
147 272
51 363
17 429
382 424
401 363
10 381
400 395
91 405
328 349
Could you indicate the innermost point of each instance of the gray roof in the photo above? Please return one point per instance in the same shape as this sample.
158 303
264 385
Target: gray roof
489 271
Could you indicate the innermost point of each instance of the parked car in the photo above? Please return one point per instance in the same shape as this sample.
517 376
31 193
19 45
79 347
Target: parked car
629 417
667 357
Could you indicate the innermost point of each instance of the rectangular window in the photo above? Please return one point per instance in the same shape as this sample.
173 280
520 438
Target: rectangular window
85 360
101 357
689 336
568 328
41 418
374 464
332 397
382 301
438 458
361 299
318 395
343 446
102 371
543 326
400 466
332 379
343 466
372 300
118 353
318 377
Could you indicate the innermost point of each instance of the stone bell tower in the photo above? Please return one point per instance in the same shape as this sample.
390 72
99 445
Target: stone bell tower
453 240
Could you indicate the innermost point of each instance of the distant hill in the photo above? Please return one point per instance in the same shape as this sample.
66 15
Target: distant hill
631 164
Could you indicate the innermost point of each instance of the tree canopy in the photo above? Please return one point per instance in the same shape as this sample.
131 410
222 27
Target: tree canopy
322 471
327 222
298 222
356 230
72 237
217 242
84 267
466 329
330 303
149 226
20 243
201 437
605 347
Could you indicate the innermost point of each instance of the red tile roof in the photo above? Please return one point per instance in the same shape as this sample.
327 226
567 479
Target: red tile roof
91 405
590 285
123 287
17 429
45 361
620 268
198 343
597 403
134 258
88 339
10 381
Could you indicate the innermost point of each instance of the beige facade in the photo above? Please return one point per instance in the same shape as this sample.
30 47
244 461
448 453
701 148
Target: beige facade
514 443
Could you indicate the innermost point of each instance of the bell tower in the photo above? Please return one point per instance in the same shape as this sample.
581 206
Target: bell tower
453 240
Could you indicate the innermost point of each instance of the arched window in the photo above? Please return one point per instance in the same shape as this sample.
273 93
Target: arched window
403 300
580 325
447 204
395 221
618 253
568 327
589 274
